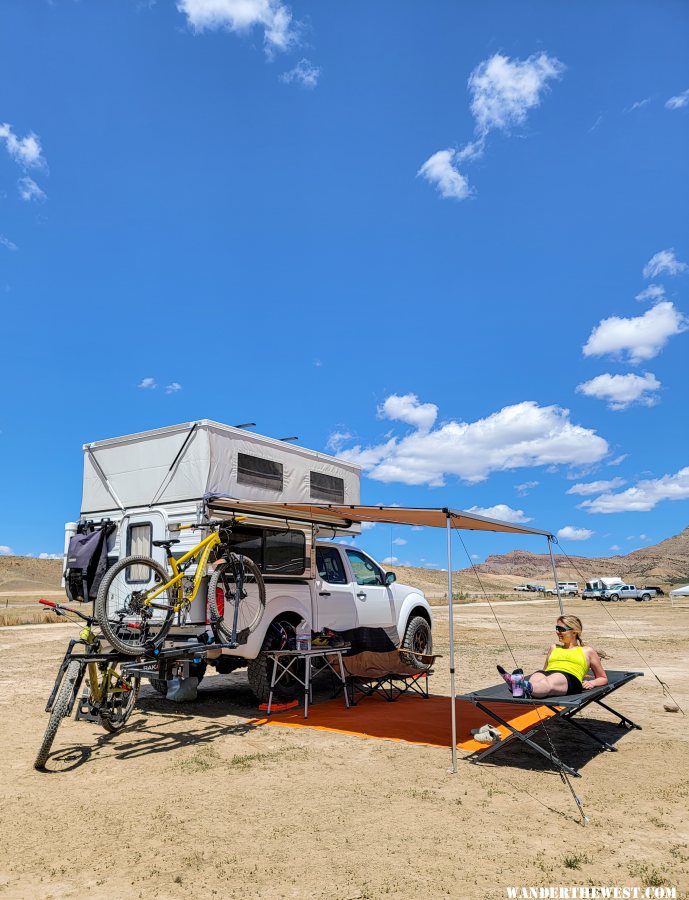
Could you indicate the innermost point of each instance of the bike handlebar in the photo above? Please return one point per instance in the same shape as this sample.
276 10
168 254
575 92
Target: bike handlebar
61 610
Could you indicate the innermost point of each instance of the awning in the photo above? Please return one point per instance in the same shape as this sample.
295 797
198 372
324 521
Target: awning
345 516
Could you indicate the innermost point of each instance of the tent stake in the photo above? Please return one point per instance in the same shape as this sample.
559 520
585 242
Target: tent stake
453 691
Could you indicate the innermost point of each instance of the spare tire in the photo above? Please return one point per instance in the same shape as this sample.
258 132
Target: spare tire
418 638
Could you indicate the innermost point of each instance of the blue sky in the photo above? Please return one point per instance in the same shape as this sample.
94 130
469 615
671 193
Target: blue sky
446 240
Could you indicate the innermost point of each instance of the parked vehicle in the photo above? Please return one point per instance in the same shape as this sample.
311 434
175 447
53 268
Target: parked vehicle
566 589
659 591
627 592
150 484
595 588
521 587
533 588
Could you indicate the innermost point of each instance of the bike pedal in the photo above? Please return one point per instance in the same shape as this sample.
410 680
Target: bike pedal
85 712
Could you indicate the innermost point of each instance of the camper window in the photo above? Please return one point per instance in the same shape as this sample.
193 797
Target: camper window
327 487
259 472
138 544
274 552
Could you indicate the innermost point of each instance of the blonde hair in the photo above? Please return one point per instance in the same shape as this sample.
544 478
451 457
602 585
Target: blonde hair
573 622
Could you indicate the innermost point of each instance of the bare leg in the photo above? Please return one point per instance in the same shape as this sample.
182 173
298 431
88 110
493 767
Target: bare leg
554 685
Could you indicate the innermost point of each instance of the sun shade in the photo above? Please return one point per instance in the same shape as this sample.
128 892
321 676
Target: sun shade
345 516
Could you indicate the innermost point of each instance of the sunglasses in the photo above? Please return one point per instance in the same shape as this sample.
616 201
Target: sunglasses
561 629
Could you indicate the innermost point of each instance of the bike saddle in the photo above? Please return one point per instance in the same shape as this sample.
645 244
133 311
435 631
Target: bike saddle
167 544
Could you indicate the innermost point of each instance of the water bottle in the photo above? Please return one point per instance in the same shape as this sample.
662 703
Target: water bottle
517 684
303 632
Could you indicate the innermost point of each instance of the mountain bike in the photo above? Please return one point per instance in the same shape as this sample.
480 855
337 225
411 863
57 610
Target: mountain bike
138 600
109 695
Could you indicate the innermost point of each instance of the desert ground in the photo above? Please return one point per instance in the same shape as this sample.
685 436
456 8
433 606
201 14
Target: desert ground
195 799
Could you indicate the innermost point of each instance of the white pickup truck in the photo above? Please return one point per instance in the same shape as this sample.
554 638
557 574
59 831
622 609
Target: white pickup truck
627 592
349 591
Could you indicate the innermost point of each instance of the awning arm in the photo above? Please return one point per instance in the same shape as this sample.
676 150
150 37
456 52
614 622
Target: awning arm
101 474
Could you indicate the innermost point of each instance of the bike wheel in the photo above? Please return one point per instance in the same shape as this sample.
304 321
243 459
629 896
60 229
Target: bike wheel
59 711
222 597
129 625
121 693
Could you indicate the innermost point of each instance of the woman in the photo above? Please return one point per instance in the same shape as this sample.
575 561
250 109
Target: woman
566 665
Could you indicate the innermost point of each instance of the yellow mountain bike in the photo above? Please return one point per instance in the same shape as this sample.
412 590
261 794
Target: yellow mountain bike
138 600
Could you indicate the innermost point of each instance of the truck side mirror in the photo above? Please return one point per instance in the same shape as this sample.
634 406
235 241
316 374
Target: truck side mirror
389 578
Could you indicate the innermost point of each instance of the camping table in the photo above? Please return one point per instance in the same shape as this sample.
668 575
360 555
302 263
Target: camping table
564 709
315 661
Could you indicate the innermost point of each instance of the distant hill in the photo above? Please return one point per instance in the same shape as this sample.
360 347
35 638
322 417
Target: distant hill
666 562
26 573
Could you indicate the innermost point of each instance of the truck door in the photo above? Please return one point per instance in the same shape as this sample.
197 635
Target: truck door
373 598
335 606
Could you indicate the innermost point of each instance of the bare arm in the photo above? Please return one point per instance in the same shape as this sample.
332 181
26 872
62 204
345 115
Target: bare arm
600 678
547 655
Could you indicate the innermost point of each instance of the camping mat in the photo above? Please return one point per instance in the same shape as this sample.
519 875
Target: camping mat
410 718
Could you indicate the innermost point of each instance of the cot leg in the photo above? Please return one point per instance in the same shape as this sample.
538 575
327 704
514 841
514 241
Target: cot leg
272 684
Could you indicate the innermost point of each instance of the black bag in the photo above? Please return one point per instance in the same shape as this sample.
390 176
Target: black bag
87 561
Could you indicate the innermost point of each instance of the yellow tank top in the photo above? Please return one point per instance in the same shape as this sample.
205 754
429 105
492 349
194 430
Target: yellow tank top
572 661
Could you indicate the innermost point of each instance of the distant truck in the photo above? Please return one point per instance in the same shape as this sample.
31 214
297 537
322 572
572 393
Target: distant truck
595 588
627 592
533 588
564 588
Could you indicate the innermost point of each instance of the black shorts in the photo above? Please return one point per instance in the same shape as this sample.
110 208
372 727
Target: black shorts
573 684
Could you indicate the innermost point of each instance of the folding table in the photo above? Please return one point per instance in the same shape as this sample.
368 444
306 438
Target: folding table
565 708
315 661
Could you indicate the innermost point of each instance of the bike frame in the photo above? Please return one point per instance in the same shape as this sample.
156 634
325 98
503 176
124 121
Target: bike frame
203 551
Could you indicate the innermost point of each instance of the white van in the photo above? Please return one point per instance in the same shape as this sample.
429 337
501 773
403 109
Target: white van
565 588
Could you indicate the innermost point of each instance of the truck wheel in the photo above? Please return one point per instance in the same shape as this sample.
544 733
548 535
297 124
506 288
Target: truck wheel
614 597
417 638
260 671
645 596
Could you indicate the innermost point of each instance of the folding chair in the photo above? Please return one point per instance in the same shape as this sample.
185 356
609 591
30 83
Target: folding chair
391 685
564 708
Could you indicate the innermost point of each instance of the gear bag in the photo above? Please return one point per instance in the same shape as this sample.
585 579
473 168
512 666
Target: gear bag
87 561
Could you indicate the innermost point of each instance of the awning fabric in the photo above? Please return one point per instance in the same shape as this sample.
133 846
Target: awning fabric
344 516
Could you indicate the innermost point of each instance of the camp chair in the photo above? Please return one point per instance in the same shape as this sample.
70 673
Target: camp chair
564 709
391 685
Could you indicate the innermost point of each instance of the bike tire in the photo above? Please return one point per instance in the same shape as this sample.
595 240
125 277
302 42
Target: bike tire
114 712
251 606
58 712
127 627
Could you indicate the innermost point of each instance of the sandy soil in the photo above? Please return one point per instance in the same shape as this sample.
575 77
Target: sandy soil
193 799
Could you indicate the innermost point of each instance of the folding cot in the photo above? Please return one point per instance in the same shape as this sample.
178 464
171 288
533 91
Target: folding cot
562 709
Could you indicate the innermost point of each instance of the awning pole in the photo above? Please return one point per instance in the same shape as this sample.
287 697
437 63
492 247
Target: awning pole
557 586
453 691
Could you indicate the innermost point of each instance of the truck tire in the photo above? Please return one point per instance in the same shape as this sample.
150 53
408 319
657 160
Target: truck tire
645 596
260 671
614 597
417 637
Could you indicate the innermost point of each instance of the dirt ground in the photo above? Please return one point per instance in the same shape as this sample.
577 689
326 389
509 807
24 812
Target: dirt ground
193 799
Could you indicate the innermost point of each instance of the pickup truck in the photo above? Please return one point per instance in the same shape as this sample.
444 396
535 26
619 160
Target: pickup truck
566 588
627 592
532 588
350 590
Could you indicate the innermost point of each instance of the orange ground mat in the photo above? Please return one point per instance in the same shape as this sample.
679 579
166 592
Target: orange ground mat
410 718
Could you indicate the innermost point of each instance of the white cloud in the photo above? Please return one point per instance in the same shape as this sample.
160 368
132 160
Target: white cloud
526 487
417 528
171 388
7 243
596 487
241 16
367 526
441 171
641 337
618 459
400 542
645 495
5 550
390 560
679 101
621 391
500 511
148 383
518 436
49 556
337 439
664 262
26 151
304 73
639 103
652 292
504 90
615 547
570 533
406 408
29 190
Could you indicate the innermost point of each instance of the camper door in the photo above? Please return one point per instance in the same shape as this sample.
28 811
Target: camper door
137 533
